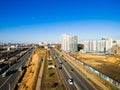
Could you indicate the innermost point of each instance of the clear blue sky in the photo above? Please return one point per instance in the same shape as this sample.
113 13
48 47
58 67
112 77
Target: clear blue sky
46 20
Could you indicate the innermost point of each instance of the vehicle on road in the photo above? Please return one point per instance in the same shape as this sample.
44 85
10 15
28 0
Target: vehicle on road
71 70
5 74
61 55
60 67
71 81
55 57
20 68
60 62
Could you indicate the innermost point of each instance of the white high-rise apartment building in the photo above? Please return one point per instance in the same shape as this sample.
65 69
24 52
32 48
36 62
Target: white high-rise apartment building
90 46
118 42
98 46
69 42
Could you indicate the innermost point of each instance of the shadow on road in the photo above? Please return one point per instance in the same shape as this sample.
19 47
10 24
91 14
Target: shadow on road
11 72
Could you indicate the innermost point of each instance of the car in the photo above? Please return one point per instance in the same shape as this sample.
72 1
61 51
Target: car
60 62
55 57
20 68
4 74
61 55
60 67
71 70
71 81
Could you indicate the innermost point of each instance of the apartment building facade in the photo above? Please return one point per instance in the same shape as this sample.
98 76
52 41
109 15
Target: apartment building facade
98 46
69 43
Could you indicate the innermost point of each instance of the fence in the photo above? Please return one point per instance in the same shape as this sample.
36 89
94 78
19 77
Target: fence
102 75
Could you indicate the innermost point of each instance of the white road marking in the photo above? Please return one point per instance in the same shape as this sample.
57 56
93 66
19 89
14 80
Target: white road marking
11 74
6 80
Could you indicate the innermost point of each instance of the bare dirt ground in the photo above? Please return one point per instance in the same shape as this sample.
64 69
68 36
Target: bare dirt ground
107 64
92 78
51 79
29 78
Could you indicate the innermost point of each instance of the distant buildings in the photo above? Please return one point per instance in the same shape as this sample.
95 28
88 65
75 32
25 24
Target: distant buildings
116 47
118 42
69 43
98 46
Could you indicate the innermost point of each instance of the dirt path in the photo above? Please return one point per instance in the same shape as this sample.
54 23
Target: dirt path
29 79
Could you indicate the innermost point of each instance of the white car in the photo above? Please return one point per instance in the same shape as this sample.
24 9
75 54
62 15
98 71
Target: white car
71 81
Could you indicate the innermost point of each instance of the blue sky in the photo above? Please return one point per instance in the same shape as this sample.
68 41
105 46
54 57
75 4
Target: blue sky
45 20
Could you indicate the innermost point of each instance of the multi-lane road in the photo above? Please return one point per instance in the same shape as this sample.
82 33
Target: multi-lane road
9 81
67 71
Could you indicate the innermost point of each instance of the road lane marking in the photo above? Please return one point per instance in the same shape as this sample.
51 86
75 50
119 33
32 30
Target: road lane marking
76 69
6 81
79 74
22 62
59 59
62 75
71 77
81 82
8 77
18 60
67 65
11 74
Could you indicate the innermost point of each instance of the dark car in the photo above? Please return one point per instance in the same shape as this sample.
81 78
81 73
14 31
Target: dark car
60 67
71 70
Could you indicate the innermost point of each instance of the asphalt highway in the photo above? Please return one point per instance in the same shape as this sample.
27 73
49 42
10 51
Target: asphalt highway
68 71
63 73
9 81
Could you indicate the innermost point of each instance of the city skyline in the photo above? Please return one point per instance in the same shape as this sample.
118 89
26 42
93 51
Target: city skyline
38 21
